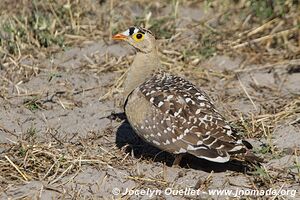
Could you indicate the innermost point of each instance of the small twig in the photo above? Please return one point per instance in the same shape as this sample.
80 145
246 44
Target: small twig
7 131
262 27
281 33
125 157
61 103
17 168
41 191
249 97
86 90
61 175
146 179
48 187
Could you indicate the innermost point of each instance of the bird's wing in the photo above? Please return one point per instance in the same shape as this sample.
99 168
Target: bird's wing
184 120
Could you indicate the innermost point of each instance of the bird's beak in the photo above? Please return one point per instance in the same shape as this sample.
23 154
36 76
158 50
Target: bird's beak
119 36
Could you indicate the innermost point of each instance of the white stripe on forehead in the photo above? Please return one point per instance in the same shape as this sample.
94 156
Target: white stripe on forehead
128 31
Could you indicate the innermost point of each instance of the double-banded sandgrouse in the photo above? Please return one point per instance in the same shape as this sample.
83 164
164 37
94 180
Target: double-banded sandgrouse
171 113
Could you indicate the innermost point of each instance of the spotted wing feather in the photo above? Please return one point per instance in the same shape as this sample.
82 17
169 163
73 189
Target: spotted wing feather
184 120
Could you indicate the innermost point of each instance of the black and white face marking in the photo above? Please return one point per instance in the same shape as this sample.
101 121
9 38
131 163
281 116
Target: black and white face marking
133 30
129 32
141 39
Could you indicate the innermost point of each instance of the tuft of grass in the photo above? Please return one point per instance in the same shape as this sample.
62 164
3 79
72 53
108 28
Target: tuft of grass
263 174
262 9
22 151
265 9
36 29
29 136
38 24
207 46
32 104
265 149
31 132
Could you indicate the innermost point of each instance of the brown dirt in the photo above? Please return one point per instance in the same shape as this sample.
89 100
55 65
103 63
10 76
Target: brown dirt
55 130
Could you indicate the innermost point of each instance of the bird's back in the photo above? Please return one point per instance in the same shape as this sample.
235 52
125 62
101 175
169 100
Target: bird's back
175 116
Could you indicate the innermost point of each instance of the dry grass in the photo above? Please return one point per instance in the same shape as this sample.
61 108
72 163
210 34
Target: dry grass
51 161
37 30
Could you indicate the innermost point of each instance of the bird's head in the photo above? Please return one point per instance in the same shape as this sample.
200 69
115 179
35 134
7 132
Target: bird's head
140 38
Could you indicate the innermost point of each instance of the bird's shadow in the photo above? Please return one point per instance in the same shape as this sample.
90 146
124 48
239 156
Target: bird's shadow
128 140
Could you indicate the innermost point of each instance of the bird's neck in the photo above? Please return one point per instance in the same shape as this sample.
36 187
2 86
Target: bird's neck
143 66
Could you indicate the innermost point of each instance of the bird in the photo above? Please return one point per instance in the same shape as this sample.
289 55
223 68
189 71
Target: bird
171 113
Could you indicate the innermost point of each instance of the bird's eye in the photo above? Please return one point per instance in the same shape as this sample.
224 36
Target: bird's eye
138 37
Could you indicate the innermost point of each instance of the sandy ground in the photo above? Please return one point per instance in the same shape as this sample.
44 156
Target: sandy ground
70 113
